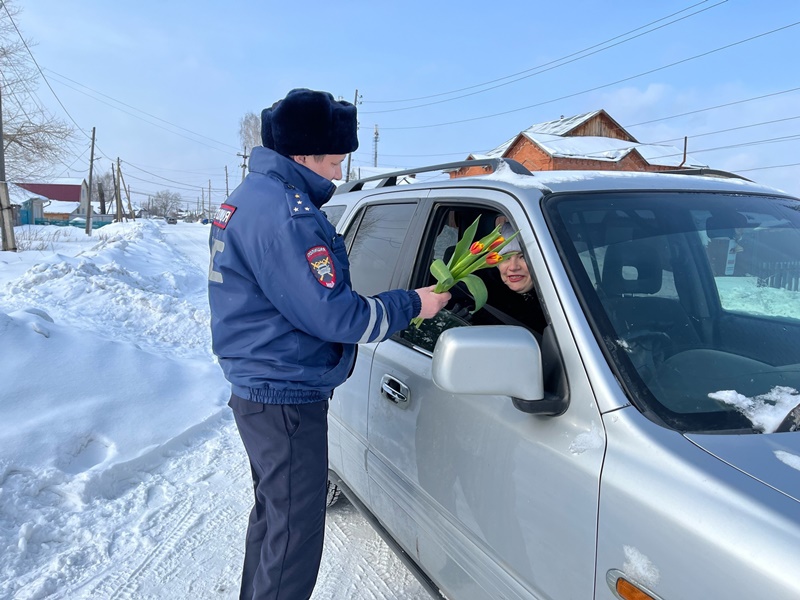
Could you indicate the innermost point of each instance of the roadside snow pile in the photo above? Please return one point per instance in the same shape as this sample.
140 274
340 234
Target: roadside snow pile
107 370
122 474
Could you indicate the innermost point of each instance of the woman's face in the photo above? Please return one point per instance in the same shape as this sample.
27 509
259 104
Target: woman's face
514 273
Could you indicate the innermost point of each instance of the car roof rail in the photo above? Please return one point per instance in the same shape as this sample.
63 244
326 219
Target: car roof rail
390 179
705 171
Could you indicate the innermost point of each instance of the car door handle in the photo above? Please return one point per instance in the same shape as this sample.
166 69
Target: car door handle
395 390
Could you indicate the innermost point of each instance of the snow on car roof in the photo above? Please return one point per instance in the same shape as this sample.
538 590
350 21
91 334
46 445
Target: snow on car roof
564 181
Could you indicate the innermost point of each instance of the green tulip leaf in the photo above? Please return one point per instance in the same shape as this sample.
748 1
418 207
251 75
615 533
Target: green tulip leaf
462 247
442 274
478 290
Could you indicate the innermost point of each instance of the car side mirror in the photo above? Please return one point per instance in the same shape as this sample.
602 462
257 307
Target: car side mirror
493 360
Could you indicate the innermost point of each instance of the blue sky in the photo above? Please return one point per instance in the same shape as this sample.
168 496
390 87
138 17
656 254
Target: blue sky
166 83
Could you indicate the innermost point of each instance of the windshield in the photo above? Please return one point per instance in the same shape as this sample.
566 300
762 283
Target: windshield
696 300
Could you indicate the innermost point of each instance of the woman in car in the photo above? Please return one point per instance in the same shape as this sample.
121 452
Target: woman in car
523 305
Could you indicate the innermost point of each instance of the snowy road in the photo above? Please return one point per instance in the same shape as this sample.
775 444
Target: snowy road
185 539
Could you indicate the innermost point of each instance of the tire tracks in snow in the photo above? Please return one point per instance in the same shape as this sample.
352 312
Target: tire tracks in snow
358 565
175 549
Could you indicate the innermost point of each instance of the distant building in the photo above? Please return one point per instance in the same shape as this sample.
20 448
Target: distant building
31 211
591 141
58 210
60 203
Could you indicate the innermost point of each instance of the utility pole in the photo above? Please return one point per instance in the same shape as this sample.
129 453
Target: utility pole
209 193
375 148
349 156
244 156
114 181
227 189
89 199
6 212
127 193
118 193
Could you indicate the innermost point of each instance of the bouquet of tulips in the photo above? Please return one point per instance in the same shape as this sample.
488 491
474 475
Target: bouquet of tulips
467 258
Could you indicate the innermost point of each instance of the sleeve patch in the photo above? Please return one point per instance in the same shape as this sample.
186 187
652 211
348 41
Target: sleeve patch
321 263
223 215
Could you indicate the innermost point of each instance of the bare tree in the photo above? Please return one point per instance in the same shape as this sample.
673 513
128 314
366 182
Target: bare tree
35 141
165 203
250 131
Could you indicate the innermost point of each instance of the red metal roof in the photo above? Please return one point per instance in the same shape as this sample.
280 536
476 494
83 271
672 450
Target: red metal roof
69 192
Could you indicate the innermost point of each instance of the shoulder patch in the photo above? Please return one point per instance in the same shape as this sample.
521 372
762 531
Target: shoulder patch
223 215
299 203
321 263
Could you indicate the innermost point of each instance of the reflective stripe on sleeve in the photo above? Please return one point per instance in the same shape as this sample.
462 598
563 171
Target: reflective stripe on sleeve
384 321
373 315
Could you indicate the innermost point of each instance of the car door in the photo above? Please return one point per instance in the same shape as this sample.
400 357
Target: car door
490 501
374 238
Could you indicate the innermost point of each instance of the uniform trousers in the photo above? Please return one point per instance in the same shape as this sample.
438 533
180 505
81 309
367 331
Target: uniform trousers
287 445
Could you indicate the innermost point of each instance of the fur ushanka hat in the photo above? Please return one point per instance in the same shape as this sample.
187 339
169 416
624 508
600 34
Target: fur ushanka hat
308 122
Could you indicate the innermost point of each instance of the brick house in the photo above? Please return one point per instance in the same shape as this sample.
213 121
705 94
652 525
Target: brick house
591 141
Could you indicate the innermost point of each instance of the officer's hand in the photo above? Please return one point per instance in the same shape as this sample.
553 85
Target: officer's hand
431 303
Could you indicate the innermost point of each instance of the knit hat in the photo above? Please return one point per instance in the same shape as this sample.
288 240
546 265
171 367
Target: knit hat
308 122
513 246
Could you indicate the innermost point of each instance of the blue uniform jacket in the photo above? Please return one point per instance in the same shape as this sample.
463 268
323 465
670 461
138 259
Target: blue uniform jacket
284 319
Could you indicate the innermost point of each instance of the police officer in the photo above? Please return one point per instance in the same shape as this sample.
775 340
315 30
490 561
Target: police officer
285 323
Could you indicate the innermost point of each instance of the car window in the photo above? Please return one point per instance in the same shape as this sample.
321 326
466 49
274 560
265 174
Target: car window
753 257
334 212
445 227
374 242
694 296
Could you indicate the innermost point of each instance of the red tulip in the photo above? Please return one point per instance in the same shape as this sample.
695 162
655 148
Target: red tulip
497 242
493 258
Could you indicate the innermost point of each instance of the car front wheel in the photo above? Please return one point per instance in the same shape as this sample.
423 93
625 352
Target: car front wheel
333 494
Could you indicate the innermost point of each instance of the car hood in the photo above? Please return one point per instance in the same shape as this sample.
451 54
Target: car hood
772 458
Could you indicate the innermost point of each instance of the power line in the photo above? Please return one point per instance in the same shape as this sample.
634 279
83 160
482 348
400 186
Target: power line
740 127
694 136
69 166
599 87
47 82
185 187
33 58
560 61
786 138
139 110
625 149
21 107
769 167
182 183
692 112
34 99
135 116
200 171
464 152
543 65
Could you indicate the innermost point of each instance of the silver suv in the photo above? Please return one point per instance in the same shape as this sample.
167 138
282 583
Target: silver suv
629 429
